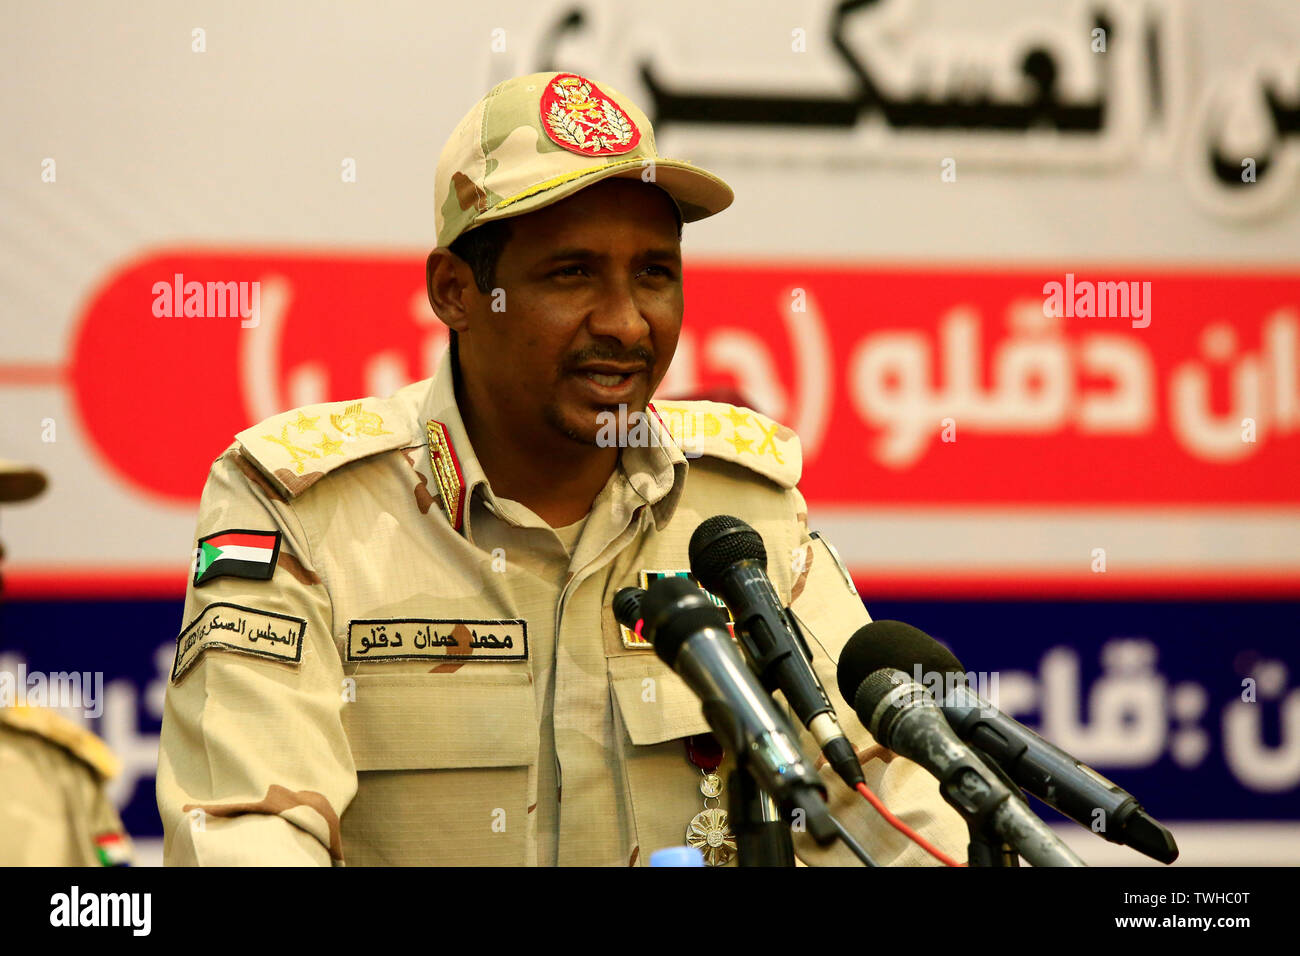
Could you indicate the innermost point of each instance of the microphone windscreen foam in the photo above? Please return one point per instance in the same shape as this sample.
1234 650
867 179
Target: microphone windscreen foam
890 644
718 543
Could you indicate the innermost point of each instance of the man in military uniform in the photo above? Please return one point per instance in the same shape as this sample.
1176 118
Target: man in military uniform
398 646
54 810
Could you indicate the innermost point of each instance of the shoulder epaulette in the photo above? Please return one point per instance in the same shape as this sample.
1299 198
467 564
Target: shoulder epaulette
735 434
57 729
298 448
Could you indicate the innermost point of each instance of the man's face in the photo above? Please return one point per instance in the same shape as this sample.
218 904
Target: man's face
592 309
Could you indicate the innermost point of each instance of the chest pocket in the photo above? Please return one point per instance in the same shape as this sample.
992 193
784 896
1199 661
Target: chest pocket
657 711
445 767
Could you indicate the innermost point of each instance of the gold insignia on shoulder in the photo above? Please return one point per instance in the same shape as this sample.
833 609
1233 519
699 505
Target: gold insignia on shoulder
305 423
446 472
328 446
296 452
769 441
740 435
356 421
740 444
56 728
297 448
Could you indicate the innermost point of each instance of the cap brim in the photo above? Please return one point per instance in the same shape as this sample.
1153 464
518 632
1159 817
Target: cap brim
18 482
697 192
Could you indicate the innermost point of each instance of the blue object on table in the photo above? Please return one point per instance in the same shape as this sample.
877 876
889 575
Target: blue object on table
677 856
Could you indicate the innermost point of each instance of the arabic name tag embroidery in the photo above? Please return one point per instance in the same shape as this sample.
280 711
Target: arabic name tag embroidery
463 639
244 630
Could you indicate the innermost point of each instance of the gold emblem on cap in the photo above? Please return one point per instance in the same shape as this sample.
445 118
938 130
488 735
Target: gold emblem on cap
579 117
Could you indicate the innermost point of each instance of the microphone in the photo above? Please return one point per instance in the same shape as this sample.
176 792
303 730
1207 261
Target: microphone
729 559
690 635
1041 768
901 715
627 608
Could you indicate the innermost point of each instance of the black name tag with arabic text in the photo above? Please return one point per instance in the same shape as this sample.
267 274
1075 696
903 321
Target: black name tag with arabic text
244 630
411 639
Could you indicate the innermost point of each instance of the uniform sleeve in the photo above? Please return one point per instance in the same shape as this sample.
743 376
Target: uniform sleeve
54 808
831 611
254 765
110 845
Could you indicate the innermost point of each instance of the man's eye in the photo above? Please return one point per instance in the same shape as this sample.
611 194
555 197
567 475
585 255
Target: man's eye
662 271
573 270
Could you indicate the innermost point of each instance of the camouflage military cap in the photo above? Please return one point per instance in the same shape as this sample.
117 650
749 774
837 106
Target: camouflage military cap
536 139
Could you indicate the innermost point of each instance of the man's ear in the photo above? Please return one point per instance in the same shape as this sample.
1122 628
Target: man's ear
449 283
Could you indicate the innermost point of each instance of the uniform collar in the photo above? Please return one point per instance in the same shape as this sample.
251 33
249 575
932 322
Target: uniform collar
655 474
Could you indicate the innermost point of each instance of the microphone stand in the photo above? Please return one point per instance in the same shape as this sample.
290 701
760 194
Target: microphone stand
762 837
987 848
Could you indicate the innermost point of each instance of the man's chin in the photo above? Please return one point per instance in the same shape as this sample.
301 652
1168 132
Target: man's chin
577 428
595 426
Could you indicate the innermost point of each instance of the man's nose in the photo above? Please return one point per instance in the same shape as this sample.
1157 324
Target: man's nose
619 317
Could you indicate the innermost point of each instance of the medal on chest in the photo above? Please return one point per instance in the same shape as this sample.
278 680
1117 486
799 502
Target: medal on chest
647 578
709 830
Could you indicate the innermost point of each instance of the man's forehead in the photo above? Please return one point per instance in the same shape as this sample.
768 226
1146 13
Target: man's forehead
610 200
584 220
659 252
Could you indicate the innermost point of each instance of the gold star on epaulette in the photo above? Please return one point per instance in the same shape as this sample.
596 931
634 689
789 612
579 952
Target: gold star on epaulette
304 423
740 444
328 446
738 418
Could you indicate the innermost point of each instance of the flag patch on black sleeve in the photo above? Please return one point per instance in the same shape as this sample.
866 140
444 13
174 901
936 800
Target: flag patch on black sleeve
238 553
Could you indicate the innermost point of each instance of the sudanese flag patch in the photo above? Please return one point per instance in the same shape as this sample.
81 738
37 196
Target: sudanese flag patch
239 553
111 850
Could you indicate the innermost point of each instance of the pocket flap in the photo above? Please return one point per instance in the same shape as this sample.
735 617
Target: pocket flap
653 713
481 716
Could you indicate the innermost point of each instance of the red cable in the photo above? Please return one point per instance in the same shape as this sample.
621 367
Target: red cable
904 829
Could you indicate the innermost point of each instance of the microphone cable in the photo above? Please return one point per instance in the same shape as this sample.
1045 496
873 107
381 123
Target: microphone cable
903 828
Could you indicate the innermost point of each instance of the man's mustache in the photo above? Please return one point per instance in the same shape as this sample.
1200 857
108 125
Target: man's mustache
639 355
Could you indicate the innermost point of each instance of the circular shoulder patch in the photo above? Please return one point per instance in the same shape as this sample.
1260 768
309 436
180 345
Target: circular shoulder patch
579 117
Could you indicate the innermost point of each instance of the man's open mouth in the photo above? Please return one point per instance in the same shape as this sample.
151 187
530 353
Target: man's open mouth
609 376
608 380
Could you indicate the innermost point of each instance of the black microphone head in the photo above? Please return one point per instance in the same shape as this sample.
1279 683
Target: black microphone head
627 606
674 610
890 644
718 543
873 689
